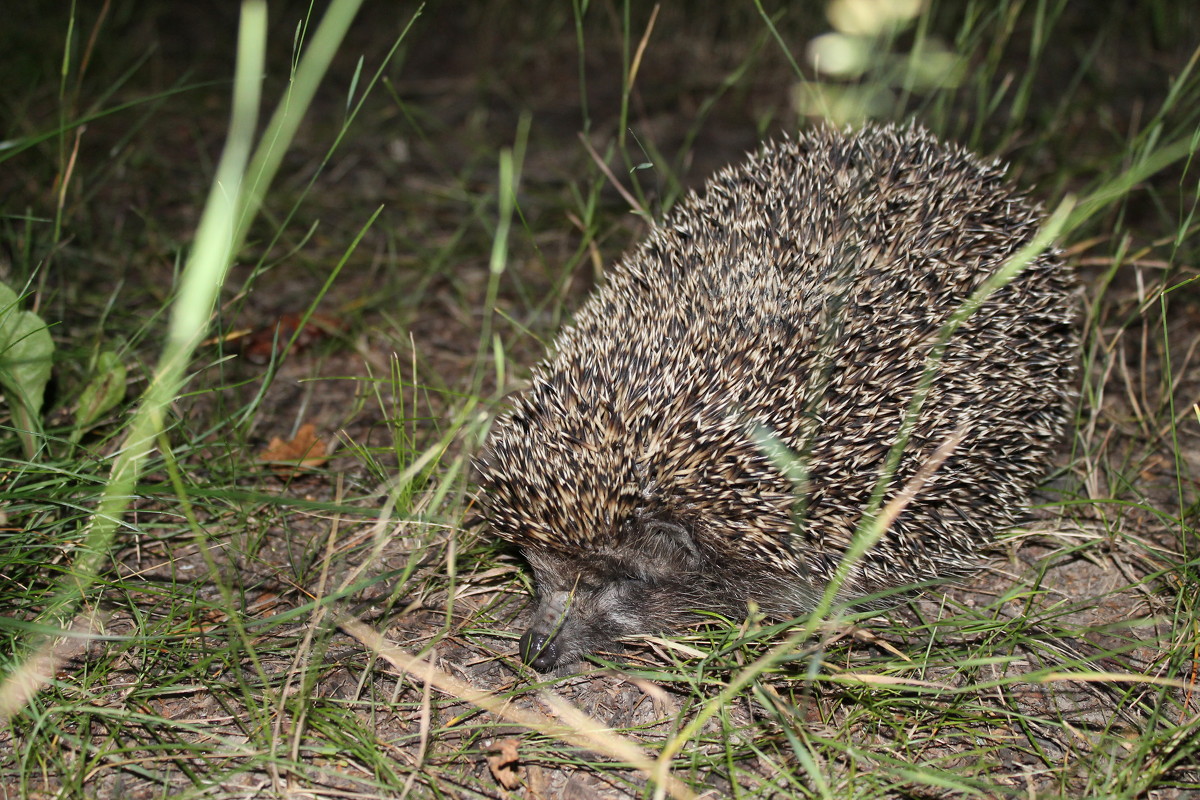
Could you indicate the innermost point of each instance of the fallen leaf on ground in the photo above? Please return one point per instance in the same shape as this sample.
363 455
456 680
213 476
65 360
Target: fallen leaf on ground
305 451
257 345
503 763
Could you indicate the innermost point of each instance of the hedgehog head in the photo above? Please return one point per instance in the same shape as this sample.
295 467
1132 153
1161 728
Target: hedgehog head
588 600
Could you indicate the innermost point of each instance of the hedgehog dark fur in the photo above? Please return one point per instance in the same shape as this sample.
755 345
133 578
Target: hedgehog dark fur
797 297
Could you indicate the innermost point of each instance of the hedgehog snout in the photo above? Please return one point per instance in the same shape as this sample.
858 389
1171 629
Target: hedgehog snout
539 650
539 647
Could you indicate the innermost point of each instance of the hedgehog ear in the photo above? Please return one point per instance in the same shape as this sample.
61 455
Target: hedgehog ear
665 533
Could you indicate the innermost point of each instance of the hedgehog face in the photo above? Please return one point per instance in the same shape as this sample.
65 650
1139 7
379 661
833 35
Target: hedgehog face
588 601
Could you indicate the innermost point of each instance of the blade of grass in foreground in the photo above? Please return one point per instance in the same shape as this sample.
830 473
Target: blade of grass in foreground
232 202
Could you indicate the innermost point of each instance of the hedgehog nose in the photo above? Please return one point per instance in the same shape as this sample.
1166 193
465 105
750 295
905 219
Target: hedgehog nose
539 650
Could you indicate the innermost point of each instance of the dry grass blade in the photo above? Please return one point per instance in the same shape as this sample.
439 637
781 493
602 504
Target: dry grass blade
612 179
39 668
641 49
917 482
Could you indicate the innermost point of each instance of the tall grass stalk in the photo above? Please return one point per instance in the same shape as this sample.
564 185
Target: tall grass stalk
232 203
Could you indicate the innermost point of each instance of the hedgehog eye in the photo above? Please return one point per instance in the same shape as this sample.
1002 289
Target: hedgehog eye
627 572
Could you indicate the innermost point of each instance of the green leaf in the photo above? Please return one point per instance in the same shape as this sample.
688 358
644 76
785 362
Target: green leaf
104 390
26 350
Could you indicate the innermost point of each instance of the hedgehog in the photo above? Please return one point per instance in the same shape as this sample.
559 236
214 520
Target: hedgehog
797 304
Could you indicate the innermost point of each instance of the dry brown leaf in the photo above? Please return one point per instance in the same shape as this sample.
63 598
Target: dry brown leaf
258 345
503 763
303 452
